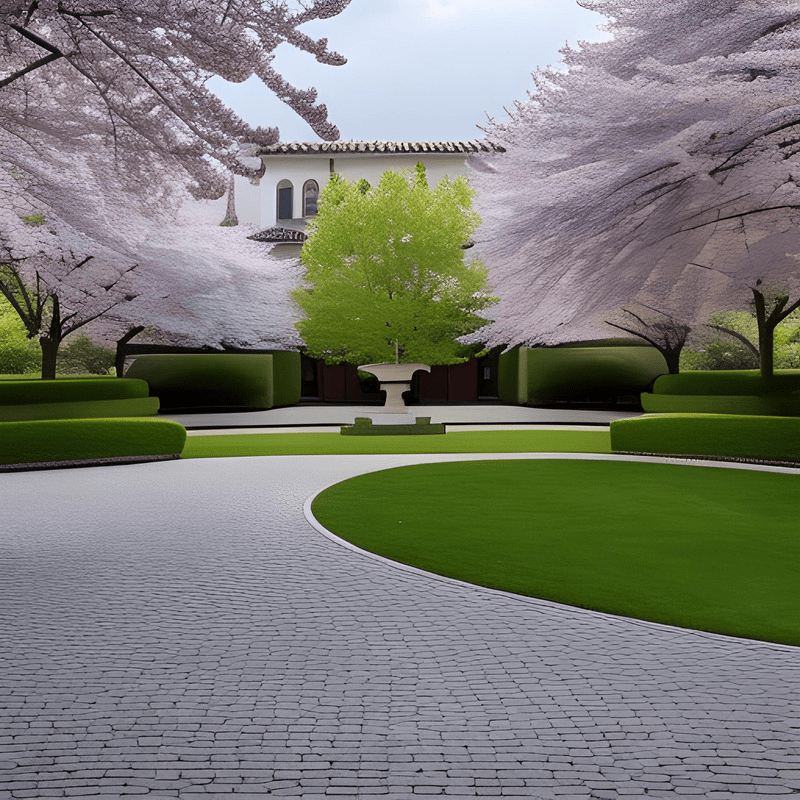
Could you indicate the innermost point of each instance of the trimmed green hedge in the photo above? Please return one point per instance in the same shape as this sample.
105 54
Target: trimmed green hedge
782 405
716 435
602 369
88 409
286 379
69 390
64 440
728 382
208 380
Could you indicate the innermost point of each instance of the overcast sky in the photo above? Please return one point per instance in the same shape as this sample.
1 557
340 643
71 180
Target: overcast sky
419 70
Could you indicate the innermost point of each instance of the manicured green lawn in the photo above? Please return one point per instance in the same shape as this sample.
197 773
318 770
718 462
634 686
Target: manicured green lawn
706 548
284 444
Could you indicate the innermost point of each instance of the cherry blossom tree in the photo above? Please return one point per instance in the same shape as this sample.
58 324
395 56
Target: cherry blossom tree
105 121
56 279
130 77
656 168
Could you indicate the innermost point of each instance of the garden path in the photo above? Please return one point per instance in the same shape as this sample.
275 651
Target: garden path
179 629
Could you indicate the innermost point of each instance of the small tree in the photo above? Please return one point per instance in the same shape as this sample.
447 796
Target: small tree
386 272
54 285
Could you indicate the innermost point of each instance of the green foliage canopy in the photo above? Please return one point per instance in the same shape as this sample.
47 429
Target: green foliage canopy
386 272
18 353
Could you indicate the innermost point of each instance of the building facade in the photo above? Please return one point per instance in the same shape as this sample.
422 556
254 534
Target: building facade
295 173
285 199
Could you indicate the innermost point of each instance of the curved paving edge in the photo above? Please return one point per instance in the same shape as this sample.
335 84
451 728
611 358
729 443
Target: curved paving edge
178 629
536 601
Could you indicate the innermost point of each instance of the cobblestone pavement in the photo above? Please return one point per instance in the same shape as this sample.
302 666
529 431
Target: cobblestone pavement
178 630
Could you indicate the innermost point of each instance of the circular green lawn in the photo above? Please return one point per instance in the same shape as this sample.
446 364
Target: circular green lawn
709 548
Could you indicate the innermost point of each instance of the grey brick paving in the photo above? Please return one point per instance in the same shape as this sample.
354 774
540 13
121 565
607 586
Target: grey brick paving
179 630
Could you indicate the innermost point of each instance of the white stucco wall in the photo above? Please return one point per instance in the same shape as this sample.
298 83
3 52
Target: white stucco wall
257 205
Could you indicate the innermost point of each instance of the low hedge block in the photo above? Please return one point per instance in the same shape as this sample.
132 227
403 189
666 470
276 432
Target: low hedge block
782 405
70 390
603 369
714 435
287 380
48 442
363 427
88 409
727 382
218 380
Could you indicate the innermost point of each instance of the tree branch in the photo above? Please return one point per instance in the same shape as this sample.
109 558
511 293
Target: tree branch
736 335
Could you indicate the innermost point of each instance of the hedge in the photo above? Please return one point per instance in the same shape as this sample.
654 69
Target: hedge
69 390
714 435
728 382
47 442
598 370
84 409
781 405
209 380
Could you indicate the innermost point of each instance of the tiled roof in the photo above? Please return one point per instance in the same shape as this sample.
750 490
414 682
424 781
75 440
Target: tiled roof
279 234
305 148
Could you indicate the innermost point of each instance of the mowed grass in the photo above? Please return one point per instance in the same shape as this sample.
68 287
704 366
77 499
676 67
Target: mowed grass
285 444
708 548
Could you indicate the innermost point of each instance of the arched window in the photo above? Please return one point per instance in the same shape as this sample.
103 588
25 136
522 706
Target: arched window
310 197
285 200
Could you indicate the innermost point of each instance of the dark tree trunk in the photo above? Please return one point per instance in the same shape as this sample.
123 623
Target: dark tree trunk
51 342
673 358
766 336
119 360
49 356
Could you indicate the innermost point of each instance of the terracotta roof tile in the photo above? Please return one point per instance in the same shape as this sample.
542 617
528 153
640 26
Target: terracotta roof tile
306 148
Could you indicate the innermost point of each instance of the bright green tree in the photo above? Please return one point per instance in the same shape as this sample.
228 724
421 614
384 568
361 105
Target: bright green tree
386 275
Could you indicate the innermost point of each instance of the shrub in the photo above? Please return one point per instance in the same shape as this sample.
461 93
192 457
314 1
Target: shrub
66 440
715 435
727 382
207 380
18 353
82 356
66 390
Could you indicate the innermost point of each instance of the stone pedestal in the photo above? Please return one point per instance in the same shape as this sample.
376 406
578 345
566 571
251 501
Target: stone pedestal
394 379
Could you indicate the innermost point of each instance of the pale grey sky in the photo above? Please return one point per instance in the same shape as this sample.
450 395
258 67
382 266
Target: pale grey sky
419 69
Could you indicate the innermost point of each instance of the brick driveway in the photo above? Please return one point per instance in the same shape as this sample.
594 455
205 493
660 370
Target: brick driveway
179 629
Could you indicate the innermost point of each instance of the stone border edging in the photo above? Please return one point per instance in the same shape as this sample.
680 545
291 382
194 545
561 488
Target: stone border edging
30 466
539 602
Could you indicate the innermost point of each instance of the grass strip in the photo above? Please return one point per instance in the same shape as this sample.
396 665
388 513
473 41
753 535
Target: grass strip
286 444
711 549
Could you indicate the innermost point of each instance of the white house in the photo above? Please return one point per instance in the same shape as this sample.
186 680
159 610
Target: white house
286 196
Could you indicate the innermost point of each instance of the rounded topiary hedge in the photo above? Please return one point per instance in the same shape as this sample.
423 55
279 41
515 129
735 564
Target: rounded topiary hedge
68 441
768 405
733 436
728 382
70 390
81 409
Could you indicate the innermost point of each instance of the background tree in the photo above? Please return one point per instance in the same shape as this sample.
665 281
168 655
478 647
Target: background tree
386 272
730 341
56 287
658 162
18 353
